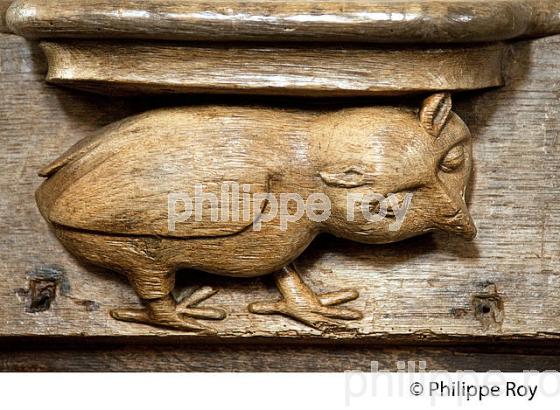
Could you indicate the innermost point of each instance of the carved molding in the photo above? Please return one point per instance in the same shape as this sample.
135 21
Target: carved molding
318 70
409 21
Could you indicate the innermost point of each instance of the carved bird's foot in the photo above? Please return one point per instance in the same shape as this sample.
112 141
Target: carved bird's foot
166 312
317 312
301 303
171 320
188 304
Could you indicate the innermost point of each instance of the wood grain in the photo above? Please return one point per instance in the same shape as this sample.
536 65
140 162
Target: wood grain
4 4
418 21
546 18
96 356
125 68
503 286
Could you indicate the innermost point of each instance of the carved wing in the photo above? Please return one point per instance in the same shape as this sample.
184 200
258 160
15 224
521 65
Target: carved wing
133 185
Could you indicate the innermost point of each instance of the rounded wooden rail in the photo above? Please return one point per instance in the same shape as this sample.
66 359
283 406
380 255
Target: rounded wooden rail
405 21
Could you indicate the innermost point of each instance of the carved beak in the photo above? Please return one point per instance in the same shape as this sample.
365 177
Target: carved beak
461 224
457 219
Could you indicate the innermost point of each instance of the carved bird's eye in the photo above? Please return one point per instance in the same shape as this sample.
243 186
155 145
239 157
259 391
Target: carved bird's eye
454 159
352 177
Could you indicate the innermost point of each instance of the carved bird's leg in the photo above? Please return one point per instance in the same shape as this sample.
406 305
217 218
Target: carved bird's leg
161 308
301 303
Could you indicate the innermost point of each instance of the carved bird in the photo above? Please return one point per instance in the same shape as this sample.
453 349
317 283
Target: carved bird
107 198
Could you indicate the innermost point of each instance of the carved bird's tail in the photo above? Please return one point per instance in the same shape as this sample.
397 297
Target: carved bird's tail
49 191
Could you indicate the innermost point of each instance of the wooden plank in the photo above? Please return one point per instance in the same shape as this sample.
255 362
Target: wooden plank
100 357
417 21
124 68
503 286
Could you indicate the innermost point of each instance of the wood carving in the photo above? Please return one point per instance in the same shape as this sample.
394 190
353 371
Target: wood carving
108 197
121 68
127 198
296 47
378 21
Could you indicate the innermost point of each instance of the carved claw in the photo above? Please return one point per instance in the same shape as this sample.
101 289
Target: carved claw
131 315
187 304
177 321
338 297
300 303
165 312
317 313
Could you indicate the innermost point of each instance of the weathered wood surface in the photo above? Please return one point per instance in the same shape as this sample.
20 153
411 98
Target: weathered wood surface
124 68
426 21
505 284
99 357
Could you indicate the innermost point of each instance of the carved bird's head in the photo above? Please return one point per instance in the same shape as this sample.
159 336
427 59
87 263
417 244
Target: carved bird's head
422 157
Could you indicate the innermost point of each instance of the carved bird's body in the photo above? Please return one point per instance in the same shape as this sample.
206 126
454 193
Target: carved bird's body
119 185
108 197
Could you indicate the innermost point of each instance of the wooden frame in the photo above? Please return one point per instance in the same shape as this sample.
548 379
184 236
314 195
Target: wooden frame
449 283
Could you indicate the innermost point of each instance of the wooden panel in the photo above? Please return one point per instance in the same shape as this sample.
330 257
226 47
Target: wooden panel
505 284
425 21
100 357
123 68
